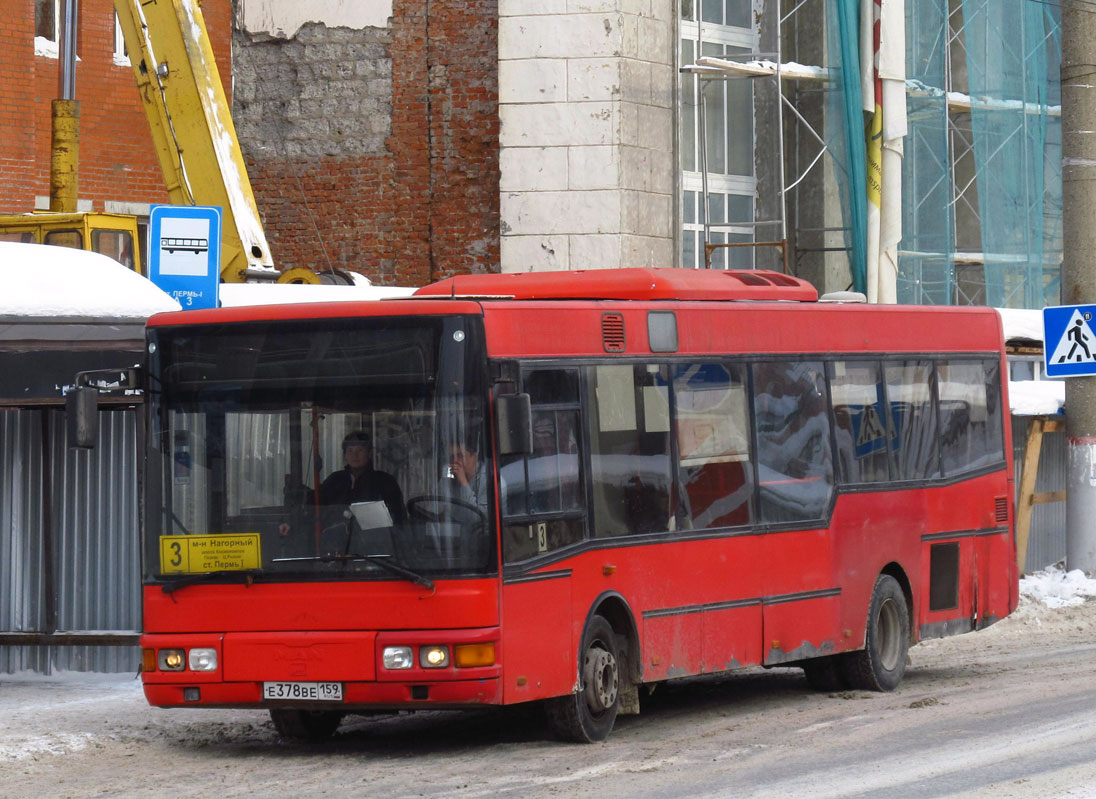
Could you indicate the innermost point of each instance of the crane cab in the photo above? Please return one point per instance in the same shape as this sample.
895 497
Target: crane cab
114 235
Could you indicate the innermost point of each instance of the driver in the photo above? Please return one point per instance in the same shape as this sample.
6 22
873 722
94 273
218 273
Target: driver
358 481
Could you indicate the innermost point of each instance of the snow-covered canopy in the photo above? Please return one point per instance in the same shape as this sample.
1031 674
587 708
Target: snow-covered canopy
46 283
1036 397
1030 397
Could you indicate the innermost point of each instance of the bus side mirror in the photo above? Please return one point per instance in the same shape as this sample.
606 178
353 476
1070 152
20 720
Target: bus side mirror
82 401
82 414
514 417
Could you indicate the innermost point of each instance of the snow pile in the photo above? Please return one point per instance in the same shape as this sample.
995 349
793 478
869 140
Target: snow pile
1057 588
42 281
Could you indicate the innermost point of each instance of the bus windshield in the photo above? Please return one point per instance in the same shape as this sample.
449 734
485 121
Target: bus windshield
318 449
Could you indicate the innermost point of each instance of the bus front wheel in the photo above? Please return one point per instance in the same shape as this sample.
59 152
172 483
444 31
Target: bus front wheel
881 664
306 725
588 715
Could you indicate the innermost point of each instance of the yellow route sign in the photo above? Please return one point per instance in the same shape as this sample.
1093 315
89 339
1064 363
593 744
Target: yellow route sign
198 554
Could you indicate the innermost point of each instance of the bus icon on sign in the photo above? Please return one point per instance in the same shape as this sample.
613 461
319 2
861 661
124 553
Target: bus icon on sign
173 245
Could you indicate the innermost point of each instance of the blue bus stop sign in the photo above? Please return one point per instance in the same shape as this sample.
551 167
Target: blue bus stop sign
184 253
1069 345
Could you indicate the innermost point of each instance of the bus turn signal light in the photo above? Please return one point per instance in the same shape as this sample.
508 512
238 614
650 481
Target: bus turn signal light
468 655
148 660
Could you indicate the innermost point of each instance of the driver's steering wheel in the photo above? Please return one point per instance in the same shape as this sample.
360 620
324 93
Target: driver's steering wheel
420 508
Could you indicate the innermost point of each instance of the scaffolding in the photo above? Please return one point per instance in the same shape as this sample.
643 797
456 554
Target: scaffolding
981 204
752 66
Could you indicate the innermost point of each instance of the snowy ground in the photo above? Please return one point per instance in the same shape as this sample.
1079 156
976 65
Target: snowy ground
80 735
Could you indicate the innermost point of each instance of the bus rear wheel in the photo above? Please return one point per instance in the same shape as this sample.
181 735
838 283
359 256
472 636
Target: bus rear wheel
588 715
306 725
881 664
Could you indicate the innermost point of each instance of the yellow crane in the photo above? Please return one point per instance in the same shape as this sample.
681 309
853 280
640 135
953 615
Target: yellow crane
191 125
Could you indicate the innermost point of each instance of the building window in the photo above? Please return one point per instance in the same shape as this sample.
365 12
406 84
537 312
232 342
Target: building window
121 53
717 140
46 20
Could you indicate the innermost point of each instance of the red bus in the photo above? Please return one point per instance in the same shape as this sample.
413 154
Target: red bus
565 487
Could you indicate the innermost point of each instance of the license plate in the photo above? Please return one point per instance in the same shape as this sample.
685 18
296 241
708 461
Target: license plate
311 691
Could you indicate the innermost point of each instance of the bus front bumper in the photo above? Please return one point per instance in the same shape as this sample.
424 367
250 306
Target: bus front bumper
355 695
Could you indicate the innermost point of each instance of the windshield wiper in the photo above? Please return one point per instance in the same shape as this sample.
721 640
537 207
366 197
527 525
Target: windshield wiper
381 560
193 579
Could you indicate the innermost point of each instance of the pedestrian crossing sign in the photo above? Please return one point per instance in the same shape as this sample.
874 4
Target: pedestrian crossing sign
1069 344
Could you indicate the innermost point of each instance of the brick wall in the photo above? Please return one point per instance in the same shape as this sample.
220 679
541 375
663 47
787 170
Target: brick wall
377 149
117 160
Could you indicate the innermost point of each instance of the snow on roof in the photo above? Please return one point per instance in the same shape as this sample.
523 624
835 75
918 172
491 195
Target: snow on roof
1021 323
62 284
236 294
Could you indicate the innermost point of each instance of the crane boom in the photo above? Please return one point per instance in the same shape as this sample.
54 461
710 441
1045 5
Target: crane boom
191 124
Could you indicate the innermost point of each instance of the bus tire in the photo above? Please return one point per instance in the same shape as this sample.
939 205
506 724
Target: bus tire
825 673
306 725
881 664
588 715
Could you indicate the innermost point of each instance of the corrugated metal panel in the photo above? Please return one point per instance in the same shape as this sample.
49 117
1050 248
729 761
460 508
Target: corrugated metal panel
21 551
1047 538
22 598
95 526
96 551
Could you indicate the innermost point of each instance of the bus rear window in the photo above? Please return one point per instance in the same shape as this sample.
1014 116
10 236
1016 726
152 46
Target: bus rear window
971 433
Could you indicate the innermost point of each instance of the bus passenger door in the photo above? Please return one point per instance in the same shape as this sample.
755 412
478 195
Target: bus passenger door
542 504
796 486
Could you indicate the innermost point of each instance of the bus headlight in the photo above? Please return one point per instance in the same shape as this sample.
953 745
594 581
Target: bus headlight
398 657
202 659
434 657
171 659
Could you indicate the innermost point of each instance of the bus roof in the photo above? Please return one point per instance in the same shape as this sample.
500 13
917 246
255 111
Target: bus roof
627 284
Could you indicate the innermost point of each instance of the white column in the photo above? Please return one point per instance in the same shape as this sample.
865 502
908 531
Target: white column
587 161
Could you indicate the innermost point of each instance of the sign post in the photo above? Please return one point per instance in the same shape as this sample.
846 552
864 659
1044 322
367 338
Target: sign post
184 249
1069 350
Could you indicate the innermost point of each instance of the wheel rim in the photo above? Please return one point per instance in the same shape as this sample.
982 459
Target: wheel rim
599 674
889 635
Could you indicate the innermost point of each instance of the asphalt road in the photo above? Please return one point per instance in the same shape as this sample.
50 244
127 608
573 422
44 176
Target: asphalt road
1008 712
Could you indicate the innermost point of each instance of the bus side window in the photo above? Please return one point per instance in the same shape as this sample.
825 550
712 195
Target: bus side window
712 429
543 501
629 420
910 393
971 435
794 459
859 421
